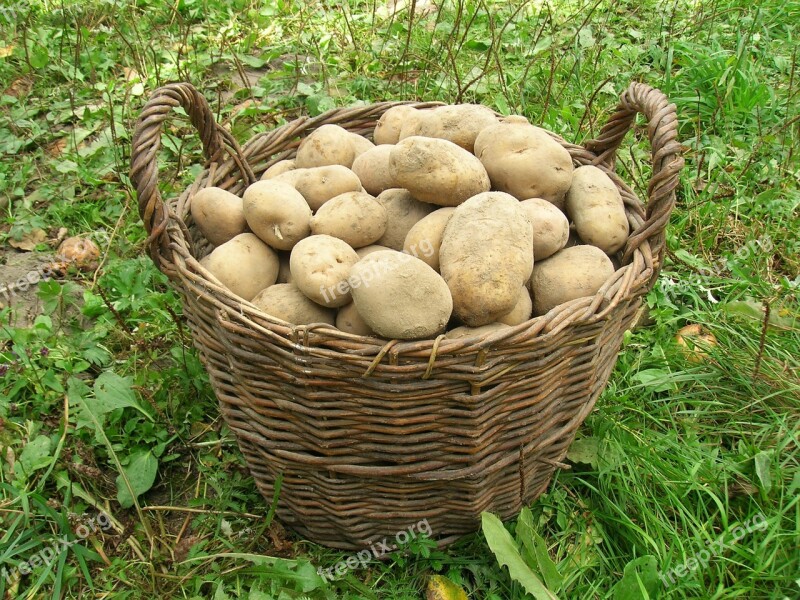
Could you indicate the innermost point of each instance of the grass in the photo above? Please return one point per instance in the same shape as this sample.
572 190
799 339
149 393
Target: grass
102 397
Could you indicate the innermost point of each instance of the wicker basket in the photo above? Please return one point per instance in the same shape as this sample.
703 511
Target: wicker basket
369 436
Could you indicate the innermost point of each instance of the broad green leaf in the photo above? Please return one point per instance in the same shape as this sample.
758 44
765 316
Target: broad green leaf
111 392
763 460
507 553
584 451
639 580
537 548
655 380
35 455
141 473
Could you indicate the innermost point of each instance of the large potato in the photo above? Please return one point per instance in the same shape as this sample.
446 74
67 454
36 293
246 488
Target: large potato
355 217
525 161
320 265
279 168
348 320
459 123
550 227
402 212
522 309
596 207
286 302
330 145
360 145
571 273
437 171
372 168
245 265
466 332
486 256
366 250
399 296
319 184
219 214
424 239
277 213
387 130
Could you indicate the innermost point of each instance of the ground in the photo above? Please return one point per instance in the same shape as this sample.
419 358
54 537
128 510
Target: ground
118 478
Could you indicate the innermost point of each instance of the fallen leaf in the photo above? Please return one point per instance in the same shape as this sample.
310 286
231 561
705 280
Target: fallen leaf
19 87
441 588
7 51
56 147
694 341
29 240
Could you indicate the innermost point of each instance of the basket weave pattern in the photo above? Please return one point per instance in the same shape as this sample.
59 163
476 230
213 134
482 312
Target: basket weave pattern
370 436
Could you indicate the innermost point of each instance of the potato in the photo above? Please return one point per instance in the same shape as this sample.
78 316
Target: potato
219 214
460 123
437 171
320 265
522 309
348 320
424 239
367 250
525 161
467 332
245 265
387 130
279 168
284 272
595 205
319 184
569 274
399 296
286 302
372 168
355 217
360 144
402 213
416 122
277 213
327 145
486 256
550 227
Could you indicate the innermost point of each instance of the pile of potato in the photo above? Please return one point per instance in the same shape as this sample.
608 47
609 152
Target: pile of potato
454 218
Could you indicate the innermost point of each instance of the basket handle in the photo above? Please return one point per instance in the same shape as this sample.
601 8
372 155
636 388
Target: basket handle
667 162
147 142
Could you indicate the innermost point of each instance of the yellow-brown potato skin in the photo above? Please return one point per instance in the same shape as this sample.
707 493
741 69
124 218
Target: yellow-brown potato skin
486 256
355 217
328 145
219 214
387 129
320 265
286 302
372 168
569 274
459 123
550 227
319 184
525 161
349 321
279 168
437 171
277 213
403 211
424 239
245 265
596 207
399 296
